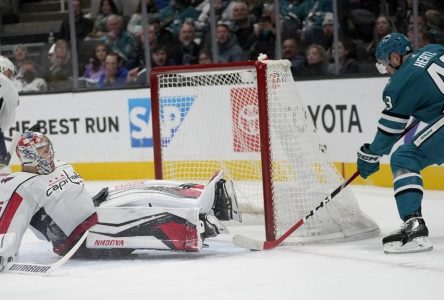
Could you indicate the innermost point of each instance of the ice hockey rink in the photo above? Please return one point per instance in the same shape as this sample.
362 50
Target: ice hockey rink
350 270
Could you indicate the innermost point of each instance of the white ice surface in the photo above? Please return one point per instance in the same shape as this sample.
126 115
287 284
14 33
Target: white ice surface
352 270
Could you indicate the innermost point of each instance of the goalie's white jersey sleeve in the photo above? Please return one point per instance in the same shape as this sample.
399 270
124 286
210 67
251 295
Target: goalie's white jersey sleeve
16 210
9 100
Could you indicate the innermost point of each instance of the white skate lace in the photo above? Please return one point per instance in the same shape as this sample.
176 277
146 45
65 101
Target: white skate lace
408 222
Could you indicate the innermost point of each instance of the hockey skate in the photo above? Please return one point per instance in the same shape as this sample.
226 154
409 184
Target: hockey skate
225 205
412 237
211 226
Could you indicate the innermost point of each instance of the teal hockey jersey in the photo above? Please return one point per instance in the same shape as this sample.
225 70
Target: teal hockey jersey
416 90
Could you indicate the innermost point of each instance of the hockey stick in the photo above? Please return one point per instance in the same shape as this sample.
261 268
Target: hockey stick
39 269
253 244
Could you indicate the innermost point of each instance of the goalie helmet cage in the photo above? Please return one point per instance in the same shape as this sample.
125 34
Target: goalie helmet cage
248 119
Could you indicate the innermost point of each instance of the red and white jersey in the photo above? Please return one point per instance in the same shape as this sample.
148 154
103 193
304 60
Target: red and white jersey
61 193
9 99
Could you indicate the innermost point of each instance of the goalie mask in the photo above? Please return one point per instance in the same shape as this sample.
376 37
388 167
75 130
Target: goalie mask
35 150
6 67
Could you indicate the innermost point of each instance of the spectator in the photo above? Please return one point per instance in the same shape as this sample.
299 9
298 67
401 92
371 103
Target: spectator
421 20
222 10
159 57
322 36
83 25
165 37
228 47
290 51
28 81
96 67
255 8
327 31
59 72
175 14
138 61
317 61
242 25
435 26
189 50
383 26
135 23
118 39
424 38
346 57
107 8
308 12
115 75
205 57
264 38
20 56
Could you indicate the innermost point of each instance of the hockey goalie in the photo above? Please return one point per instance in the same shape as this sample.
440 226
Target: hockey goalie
49 197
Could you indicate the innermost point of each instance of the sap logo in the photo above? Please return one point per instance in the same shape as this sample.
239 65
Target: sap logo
173 111
139 118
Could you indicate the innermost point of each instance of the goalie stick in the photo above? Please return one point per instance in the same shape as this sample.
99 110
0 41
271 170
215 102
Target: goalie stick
39 269
258 245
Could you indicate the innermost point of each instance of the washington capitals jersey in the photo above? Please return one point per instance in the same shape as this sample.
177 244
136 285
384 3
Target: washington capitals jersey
415 89
61 193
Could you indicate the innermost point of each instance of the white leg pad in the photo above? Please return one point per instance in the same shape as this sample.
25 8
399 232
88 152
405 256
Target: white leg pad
146 228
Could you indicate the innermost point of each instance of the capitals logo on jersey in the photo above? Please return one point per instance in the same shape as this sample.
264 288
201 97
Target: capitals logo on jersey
62 181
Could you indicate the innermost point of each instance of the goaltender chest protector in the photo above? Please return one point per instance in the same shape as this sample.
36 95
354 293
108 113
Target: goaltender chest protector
63 196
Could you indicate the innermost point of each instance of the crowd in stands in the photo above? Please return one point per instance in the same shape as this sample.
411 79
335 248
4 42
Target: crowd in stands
111 45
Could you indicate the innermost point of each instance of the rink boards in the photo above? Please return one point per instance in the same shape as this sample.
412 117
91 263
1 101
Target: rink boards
108 134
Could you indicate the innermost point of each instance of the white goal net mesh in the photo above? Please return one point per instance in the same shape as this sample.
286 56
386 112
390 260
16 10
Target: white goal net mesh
210 121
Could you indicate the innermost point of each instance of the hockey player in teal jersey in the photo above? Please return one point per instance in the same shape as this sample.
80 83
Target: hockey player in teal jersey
415 89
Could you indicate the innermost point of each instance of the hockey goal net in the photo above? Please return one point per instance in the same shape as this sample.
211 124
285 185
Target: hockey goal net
248 119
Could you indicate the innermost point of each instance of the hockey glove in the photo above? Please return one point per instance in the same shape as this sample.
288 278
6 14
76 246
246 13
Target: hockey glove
8 251
368 162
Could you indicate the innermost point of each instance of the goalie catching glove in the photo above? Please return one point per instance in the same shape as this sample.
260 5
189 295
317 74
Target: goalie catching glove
368 162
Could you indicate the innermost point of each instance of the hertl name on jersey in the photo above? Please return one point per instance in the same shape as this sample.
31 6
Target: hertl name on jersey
423 59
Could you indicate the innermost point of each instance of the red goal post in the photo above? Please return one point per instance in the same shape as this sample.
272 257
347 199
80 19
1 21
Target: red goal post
248 119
